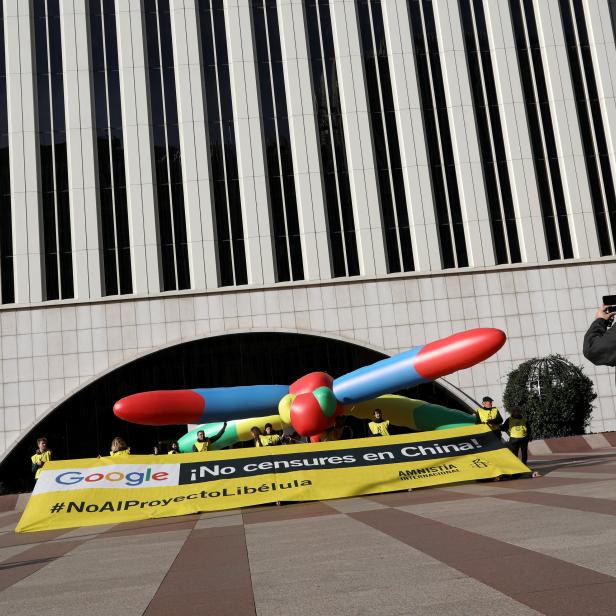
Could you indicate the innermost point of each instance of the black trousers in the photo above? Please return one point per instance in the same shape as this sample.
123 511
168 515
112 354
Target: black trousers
519 444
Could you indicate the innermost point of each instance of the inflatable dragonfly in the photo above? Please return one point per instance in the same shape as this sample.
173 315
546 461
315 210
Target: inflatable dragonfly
311 404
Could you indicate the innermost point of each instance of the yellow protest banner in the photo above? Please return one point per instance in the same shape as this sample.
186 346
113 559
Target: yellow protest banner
74 493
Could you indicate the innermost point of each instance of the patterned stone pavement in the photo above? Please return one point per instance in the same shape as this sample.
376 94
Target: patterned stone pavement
529 546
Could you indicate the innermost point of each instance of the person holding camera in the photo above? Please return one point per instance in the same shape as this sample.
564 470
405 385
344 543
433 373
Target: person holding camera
600 340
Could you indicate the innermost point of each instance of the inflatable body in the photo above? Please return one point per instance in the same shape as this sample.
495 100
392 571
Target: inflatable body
415 415
312 403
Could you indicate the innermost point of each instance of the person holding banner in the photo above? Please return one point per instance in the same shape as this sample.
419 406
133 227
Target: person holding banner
173 448
489 415
516 426
270 438
119 447
378 426
41 456
203 443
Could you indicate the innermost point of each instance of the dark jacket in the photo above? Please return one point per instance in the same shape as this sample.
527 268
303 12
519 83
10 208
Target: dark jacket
600 344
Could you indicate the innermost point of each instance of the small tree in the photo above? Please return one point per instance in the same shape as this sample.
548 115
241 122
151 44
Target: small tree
555 395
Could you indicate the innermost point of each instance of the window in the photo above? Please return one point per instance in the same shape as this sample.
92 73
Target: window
594 142
231 250
110 149
545 154
338 203
394 212
58 257
490 133
166 145
438 137
7 286
279 159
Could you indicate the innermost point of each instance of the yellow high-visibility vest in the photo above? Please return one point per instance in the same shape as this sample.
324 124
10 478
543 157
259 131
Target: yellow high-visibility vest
38 458
122 452
518 427
379 428
486 415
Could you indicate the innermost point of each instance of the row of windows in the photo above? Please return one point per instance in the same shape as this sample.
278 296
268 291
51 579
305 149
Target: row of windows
173 241
541 129
490 132
276 134
115 237
231 250
335 175
438 135
394 210
55 206
592 131
7 287
223 158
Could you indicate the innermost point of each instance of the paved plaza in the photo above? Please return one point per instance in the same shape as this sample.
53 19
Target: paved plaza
530 546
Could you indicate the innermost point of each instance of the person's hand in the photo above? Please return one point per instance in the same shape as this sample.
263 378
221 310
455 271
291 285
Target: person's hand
603 314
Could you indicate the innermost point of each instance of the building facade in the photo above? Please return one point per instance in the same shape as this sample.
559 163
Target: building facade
378 172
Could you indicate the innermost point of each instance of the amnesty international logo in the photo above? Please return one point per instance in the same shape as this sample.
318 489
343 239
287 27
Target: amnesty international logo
430 471
479 463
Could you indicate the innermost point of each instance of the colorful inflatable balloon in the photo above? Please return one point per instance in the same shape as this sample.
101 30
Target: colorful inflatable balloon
401 411
312 403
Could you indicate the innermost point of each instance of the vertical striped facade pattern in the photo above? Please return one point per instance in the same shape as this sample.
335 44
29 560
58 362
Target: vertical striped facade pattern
277 141
166 146
148 244
541 126
490 133
7 286
222 141
596 152
335 174
110 149
385 137
445 187
56 212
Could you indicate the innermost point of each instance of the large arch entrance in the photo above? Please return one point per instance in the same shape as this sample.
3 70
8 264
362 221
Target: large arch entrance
83 425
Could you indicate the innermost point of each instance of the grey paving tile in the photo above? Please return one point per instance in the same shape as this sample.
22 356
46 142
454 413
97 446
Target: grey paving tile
98 576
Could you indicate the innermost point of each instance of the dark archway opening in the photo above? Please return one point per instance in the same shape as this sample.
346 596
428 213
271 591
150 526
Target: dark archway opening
84 425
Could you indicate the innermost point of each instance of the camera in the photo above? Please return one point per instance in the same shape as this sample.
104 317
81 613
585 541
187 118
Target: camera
609 301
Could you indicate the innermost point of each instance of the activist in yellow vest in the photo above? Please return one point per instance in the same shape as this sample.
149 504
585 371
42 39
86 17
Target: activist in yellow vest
519 433
518 428
489 415
119 447
203 443
120 452
379 428
39 459
268 440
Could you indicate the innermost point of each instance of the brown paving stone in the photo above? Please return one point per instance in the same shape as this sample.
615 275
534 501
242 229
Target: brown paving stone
598 599
11 518
8 502
571 444
286 512
579 503
11 539
210 575
30 561
526 576
158 525
417 497
610 437
538 483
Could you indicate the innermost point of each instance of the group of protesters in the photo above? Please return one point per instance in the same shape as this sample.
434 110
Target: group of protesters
516 427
